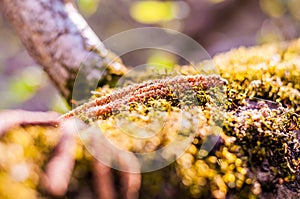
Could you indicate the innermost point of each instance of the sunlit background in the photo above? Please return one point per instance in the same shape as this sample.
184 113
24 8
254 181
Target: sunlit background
218 25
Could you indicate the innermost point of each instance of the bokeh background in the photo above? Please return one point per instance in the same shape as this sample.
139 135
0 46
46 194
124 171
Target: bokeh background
218 25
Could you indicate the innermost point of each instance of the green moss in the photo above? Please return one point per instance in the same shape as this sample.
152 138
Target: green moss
257 115
258 149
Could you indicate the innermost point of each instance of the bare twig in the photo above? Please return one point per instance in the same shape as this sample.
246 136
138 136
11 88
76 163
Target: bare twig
11 118
130 182
103 180
59 169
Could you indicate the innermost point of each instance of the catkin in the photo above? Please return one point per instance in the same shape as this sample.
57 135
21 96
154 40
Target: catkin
159 88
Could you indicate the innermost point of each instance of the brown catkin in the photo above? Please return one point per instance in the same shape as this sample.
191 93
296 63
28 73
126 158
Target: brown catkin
141 92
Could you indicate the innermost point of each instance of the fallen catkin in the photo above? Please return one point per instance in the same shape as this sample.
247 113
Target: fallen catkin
159 88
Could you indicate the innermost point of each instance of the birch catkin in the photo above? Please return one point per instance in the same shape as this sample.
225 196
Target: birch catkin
160 88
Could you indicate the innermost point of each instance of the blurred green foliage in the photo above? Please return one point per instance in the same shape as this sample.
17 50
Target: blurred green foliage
24 84
162 62
284 18
152 11
88 7
274 8
279 8
158 12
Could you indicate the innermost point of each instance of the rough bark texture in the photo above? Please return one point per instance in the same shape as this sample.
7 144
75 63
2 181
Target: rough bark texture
57 37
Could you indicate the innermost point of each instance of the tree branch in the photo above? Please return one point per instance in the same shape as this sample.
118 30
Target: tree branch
12 118
59 169
58 38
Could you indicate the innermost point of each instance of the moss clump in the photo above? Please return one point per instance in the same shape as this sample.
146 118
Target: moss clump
258 150
256 117
25 152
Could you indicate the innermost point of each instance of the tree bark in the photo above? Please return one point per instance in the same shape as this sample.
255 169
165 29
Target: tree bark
59 39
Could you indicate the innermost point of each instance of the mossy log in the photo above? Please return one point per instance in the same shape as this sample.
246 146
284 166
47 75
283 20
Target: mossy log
256 156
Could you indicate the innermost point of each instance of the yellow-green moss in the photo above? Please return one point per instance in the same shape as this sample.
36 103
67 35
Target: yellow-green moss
257 151
24 150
